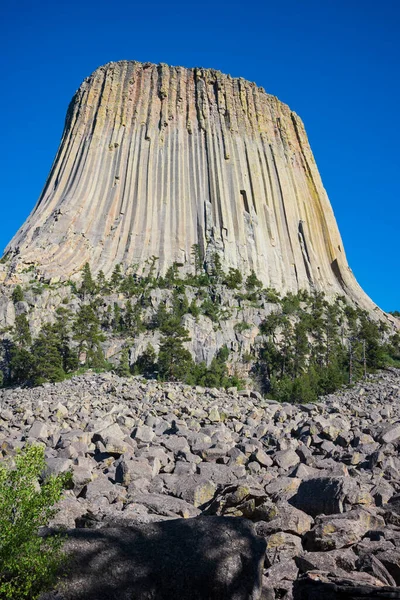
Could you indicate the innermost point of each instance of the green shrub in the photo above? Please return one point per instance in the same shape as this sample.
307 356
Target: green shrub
242 326
211 310
28 562
252 281
233 279
17 295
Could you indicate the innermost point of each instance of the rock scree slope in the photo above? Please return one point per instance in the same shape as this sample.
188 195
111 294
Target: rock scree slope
155 159
151 462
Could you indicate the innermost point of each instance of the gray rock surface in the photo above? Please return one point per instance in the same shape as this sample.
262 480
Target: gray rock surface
148 454
189 559
243 160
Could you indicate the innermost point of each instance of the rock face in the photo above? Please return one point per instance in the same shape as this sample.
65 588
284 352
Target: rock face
154 159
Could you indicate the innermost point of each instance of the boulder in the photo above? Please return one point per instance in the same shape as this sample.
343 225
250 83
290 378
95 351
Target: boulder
391 561
281 546
357 586
342 530
281 517
336 562
326 495
211 558
390 434
285 459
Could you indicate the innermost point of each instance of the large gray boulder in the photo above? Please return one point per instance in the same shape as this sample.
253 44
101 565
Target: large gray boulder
328 495
205 558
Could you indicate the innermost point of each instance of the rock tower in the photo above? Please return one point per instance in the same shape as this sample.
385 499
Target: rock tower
154 159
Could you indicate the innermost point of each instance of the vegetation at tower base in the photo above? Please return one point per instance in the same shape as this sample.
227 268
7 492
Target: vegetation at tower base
28 562
305 345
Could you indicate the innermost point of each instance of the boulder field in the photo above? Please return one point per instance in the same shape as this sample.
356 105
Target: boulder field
183 492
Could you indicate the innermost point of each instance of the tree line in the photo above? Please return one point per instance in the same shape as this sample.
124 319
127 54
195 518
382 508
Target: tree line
307 346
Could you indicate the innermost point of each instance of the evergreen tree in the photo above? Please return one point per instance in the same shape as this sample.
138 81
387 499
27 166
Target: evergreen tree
252 282
210 309
217 272
123 369
21 366
130 286
102 285
193 309
151 276
286 348
290 304
233 279
301 347
197 259
62 329
117 322
216 374
22 333
133 319
374 350
47 359
175 362
146 363
332 321
171 276
86 330
180 304
17 295
88 286
116 277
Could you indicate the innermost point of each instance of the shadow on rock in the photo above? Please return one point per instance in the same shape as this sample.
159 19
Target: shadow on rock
204 558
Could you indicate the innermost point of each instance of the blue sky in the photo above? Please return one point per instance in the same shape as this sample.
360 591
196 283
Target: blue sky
335 62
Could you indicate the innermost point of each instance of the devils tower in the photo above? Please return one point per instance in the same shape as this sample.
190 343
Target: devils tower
155 159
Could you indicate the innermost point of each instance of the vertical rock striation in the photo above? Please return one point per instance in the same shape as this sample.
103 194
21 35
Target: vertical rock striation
154 159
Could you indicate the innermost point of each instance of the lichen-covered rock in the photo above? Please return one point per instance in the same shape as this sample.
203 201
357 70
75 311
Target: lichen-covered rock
340 531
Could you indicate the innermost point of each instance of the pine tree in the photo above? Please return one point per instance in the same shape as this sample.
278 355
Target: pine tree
233 279
193 309
116 277
117 322
102 285
129 286
133 319
123 369
197 259
253 282
62 329
86 330
175 362
88 286
180 304
22 333
332 316
48 362
17 295
171 276
300 348
146 363
21 365
217 272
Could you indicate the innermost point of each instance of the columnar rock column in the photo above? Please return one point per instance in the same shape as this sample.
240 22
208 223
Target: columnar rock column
154 159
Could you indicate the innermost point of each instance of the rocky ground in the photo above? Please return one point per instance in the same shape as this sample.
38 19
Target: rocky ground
321 483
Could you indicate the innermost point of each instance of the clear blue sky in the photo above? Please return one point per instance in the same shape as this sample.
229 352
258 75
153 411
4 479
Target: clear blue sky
335 62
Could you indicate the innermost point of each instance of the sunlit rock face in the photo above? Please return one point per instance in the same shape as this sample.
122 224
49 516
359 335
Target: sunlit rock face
154 159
